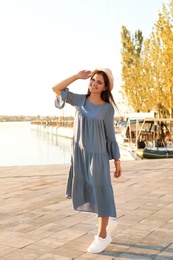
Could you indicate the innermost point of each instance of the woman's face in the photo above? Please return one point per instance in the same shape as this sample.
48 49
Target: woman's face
97 84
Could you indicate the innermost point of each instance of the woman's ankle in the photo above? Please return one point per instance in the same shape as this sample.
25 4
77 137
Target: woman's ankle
102 235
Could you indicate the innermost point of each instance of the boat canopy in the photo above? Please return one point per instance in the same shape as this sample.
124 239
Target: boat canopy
131 121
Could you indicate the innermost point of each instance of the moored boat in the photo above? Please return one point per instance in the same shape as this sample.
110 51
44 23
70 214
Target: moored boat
155 153
150 138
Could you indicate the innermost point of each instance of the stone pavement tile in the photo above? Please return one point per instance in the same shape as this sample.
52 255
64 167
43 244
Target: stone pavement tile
88 224
133 230
134 217
85 227
115 249
165 235
69 250
142 212
21 228
166 254
155 221
61 205
50 242
54 225
71 220
75 248
43 220
82 242
163 213
53 257
20 255
141 227
90 218
170 206
126 256
38 234
165 189
6 249
67 235
100 256
159 241
132 204
140 251
168 226
120 228
55 206
151 206
159 206
30 252
15 239
61 239
50 228
125 238
167 198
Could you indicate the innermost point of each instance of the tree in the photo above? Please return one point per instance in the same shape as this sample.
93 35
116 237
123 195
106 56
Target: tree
165 33
147 66
131 69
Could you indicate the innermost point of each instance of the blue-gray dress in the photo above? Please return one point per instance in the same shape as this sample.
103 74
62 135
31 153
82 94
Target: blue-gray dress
94 144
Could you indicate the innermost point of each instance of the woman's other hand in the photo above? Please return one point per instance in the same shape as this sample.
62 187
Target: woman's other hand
118 171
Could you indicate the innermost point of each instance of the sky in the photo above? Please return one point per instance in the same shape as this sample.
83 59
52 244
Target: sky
45 41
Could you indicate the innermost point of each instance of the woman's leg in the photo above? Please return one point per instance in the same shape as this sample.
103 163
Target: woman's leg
102 240
103 222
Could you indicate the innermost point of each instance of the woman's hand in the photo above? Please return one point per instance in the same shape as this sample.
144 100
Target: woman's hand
84 74
118 171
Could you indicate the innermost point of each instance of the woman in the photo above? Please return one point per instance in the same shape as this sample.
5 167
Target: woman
94 144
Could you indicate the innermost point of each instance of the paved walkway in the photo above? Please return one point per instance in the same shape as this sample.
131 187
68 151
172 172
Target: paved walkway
37 222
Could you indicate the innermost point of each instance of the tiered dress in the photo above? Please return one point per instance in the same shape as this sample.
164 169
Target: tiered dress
94 144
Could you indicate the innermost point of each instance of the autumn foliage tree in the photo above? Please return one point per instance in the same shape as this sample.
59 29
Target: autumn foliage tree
147 66
131 69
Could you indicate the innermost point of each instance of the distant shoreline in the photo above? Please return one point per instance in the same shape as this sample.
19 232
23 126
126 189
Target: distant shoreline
23 118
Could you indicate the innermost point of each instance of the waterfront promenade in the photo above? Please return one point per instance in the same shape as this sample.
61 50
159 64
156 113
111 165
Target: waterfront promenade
38 222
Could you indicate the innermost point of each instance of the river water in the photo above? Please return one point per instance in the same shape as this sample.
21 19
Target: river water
22 145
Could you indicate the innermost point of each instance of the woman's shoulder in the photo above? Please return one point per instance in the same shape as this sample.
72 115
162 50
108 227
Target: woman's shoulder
108 110
77 99
109 106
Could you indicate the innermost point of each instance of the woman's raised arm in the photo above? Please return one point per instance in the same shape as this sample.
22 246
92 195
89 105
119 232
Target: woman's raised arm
83 74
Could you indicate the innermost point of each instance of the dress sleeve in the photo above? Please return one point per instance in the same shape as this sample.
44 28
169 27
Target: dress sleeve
69 97
112 145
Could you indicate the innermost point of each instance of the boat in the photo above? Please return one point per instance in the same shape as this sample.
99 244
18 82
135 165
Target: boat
148 138
155 153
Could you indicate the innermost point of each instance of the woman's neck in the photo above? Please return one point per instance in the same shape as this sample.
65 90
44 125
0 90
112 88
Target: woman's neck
96 99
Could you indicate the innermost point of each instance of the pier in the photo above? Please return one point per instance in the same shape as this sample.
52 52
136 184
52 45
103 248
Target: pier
63 128
38 222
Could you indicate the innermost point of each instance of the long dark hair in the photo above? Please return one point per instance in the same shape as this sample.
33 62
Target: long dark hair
105 95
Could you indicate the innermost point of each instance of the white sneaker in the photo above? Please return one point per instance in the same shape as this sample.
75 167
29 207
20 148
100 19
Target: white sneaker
99 244
112 224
